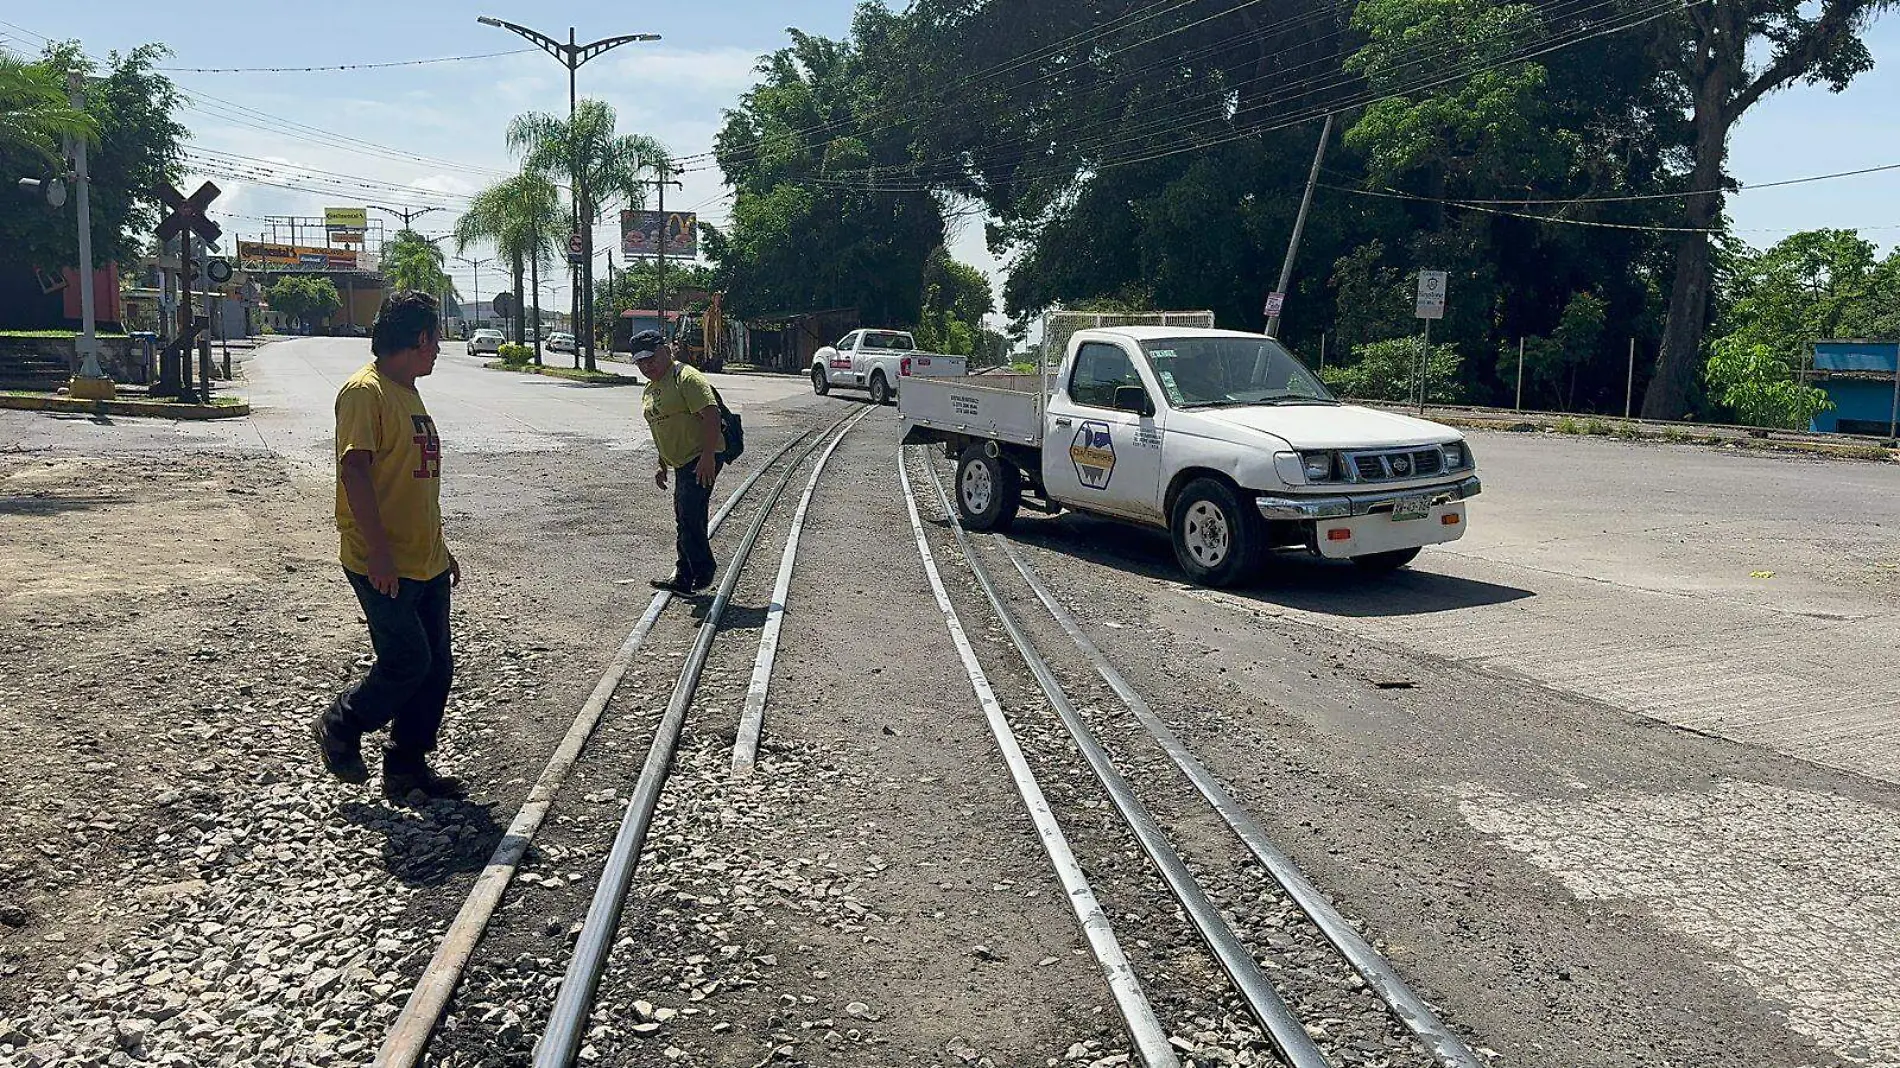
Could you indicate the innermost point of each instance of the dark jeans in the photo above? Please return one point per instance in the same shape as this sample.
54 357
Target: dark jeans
691 504
407 688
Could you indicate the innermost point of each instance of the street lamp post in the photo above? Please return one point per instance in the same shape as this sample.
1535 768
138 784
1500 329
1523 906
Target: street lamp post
88 345
572 55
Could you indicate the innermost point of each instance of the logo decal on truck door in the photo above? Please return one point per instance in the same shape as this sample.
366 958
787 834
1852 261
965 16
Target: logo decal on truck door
1093 452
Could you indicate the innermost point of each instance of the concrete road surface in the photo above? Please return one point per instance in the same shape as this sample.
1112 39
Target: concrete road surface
1754 597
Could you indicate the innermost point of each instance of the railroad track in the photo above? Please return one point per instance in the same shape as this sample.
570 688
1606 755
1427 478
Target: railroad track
1288 1033
409 1036
572 1018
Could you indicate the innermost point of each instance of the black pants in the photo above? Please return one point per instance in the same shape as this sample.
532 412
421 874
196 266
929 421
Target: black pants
691 507
407 688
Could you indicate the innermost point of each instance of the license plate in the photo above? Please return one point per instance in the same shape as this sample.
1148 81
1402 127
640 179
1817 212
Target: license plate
1411 508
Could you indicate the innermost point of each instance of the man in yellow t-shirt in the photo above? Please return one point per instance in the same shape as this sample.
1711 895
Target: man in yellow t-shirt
683 413
389 516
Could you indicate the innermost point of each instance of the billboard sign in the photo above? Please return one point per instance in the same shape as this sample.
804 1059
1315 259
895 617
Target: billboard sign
346 219
259 254
640 233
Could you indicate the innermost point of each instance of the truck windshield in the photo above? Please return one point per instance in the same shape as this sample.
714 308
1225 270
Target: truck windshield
883 339
1207 372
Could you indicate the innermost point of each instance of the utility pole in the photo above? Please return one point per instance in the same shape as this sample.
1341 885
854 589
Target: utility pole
88 345
1299 226
534 283
1629 387
1520 376
572 55
477 298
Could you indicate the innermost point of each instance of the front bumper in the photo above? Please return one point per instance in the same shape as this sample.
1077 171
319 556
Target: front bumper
1342 506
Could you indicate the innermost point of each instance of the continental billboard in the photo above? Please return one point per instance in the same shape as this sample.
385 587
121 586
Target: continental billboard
640 233
346 218
258 254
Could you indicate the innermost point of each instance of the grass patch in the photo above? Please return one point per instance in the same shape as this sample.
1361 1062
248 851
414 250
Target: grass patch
55 335
1567 425
571 374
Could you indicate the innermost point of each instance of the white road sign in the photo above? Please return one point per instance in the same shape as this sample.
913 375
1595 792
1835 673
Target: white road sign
1431 294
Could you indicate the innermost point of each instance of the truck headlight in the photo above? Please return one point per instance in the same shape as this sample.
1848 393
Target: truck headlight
1457 456
1318 466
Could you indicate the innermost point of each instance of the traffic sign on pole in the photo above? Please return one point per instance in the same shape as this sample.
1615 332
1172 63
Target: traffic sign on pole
576 250
1431 294
1275 302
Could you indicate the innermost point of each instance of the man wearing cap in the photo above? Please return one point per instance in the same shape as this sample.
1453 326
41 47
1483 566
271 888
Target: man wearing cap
683 412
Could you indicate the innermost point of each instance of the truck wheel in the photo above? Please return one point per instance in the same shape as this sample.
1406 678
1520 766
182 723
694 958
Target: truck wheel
1380 563
1215 539
989 490
880 389
819 383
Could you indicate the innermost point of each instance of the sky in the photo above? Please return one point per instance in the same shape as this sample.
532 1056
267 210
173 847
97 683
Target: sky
434 134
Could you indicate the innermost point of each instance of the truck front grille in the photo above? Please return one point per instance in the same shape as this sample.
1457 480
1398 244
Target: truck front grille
1398 465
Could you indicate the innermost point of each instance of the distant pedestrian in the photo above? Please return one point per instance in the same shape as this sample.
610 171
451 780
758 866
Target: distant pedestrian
683 412
389 512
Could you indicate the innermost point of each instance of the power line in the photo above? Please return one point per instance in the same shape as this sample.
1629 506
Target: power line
340 66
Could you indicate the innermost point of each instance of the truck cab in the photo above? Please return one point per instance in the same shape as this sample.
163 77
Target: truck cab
1221 437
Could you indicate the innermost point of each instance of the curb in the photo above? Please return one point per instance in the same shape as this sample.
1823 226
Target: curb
159 409
531 369
1686 435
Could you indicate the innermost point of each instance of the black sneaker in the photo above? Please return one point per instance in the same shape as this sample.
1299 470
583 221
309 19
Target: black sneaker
700 583
672 584
403 781
342 757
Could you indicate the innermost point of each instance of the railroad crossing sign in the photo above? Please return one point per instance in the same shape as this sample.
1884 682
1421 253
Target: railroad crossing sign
1431 294
576 251
188 213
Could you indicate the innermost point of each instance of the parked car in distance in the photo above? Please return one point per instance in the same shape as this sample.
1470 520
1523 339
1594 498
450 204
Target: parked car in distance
561 341
489 341
877 360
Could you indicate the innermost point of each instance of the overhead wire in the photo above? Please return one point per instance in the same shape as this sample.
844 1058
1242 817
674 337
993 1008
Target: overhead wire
342 66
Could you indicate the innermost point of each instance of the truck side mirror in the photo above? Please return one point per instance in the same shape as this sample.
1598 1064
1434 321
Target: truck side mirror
1133 399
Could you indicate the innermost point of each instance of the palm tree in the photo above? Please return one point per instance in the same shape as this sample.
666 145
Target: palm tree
411 261
522 216
602 167
34 111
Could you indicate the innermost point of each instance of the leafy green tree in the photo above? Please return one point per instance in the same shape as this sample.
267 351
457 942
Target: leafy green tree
585 151
131 113
638 285
1551 364
800 239
305 298
522 217
1388 371
34 111
412 261
1725 57
956 298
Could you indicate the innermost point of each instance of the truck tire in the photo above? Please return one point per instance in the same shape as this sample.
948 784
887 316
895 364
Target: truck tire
1380 563
820 384
880 389
989 490
1217 540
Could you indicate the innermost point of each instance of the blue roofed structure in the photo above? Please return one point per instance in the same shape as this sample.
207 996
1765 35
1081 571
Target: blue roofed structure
1862 378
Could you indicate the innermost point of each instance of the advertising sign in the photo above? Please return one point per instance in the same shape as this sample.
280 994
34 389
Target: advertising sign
640 233
346 219
259 254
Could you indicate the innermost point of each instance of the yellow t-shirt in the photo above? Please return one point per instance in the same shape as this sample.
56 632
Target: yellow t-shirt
387 419
672 405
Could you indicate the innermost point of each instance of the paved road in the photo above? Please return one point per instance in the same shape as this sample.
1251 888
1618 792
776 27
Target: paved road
1754 597
291 385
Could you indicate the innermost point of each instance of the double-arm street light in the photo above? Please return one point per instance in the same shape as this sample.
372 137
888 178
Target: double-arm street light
572 54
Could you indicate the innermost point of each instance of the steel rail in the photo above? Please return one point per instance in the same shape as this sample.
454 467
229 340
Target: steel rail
1150 1038
409 1036
574 1002
1367 961
745 746
1281 1023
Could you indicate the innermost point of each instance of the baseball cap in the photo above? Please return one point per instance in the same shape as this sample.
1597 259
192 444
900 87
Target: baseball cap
645 341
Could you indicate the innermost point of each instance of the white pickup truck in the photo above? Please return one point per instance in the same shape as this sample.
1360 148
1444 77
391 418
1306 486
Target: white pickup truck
1223 438
877 360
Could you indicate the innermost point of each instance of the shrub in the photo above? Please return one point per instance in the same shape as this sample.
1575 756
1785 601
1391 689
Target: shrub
516 354
1388 371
